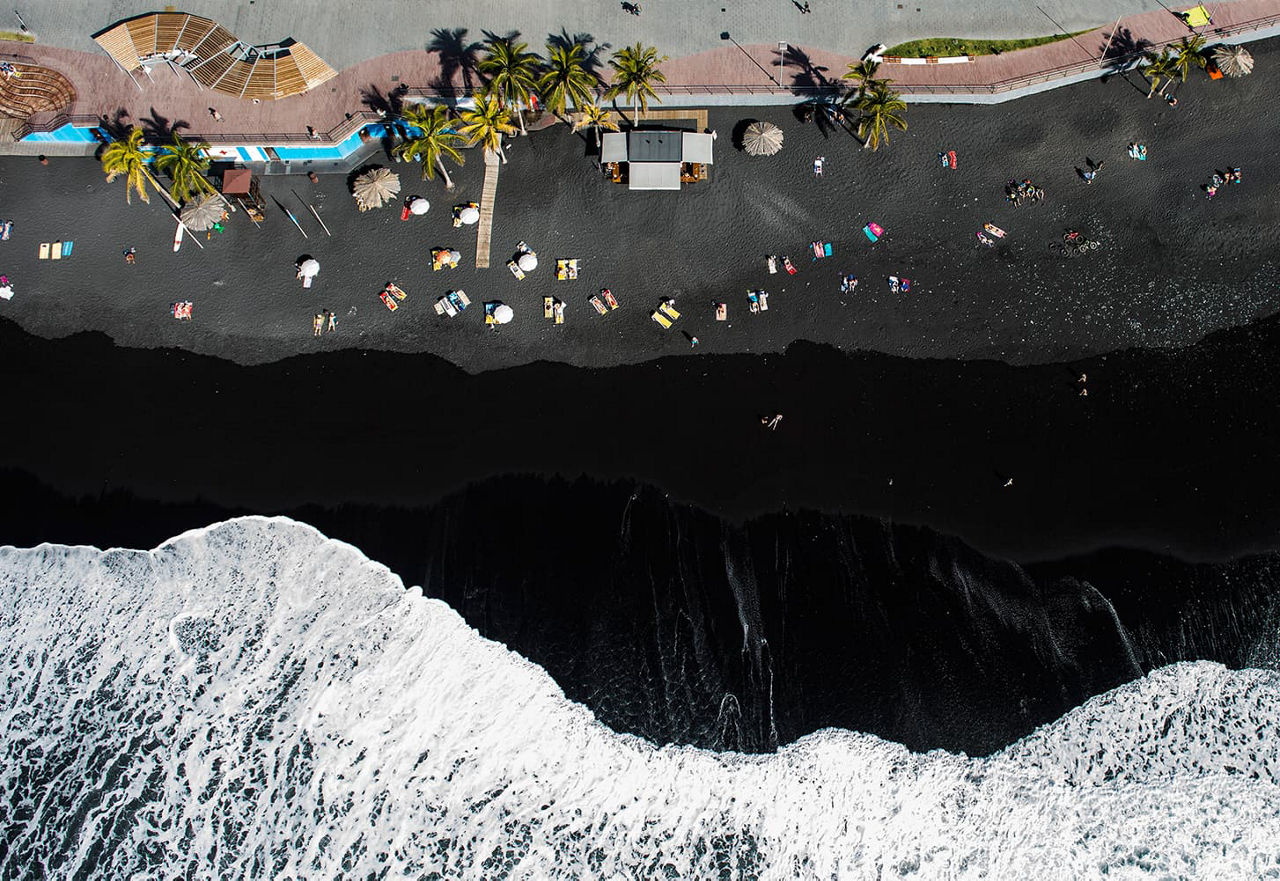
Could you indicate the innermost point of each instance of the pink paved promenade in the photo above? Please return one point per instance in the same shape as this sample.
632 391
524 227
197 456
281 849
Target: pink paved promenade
737 74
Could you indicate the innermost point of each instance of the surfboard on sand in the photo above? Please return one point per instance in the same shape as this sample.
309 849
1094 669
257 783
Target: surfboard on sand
177 239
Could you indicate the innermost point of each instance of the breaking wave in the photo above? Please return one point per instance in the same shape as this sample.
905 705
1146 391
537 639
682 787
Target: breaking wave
254 700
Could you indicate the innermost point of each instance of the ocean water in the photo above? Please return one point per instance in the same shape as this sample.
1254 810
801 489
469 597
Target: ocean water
253 700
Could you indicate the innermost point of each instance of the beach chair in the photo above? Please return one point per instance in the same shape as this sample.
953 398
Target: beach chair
548 307
661 319
772 262
439 305
789 266
764 301
389 301
559 309
44 250
56 253
449 309
668 308
609 298
722 311
306 280
395 291
515 269
598 304
994 230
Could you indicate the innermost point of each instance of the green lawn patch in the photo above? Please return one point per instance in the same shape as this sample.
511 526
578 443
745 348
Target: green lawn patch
941 47
13 35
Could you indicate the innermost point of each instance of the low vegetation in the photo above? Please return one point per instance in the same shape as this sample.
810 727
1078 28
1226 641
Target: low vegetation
945 46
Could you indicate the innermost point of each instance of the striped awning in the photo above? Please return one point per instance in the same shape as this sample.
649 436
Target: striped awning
213 56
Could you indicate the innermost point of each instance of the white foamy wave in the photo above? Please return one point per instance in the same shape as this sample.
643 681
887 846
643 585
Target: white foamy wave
255 701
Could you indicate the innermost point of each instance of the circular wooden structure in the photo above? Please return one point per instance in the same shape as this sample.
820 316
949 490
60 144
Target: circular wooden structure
28 88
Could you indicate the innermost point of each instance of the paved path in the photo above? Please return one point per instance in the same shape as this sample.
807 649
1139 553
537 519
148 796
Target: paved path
727 74
484 228
345 35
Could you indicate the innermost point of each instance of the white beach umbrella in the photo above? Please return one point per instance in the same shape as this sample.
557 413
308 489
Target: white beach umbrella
503 314
469 215
762 139
419 206
1234 61
455 256
528 262
309 268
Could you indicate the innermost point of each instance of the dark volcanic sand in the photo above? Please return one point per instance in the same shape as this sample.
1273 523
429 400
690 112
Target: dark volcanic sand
1171 450
1173 267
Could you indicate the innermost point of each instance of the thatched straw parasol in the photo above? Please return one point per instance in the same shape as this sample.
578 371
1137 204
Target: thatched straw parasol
762 139
375 187
202 212
1233 60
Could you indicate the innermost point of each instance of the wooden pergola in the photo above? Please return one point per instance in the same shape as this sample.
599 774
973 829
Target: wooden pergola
213 56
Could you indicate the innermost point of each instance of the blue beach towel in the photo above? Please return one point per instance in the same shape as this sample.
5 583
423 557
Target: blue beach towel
66 248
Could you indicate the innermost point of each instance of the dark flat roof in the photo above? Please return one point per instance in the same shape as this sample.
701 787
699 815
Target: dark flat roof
653 146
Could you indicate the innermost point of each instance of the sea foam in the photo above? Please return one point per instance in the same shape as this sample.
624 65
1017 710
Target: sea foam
253 700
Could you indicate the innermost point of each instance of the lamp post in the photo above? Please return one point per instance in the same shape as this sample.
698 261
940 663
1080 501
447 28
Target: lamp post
724 35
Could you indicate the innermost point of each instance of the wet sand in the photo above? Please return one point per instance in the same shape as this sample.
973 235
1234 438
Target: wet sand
1171 451
1173 265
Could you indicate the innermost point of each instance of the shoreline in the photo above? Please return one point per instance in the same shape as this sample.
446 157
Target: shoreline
1169 452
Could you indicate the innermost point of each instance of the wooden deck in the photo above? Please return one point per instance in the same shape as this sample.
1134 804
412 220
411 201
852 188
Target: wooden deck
484 229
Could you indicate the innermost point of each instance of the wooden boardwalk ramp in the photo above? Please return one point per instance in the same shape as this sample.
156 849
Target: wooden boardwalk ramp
484 229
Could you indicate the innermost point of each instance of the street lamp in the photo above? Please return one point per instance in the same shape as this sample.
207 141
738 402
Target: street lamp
724 35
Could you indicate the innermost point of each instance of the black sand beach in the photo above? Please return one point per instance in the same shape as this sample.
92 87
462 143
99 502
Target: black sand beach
1173 265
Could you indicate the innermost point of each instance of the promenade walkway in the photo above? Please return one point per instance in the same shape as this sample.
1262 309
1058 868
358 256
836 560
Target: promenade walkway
730 74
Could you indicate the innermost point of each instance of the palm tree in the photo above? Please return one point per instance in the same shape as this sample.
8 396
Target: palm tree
881 107
126 157
186 164
635 70
512 71
598 118
566 79
1188 53
487 123
1157 68
863 74
438 140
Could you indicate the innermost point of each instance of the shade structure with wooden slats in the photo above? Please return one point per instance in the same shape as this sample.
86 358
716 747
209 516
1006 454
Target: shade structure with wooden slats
375 188
213 56
202 212
1233 61
762 139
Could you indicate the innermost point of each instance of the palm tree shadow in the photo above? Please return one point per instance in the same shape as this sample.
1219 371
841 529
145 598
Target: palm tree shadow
115 127
810 77
157 128
1123 50
390 103
591 50
458 59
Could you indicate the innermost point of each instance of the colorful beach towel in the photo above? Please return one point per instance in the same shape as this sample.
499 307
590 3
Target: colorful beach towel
6 229
873 231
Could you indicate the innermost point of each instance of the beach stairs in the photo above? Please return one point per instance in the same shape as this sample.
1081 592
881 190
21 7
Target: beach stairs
484 228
